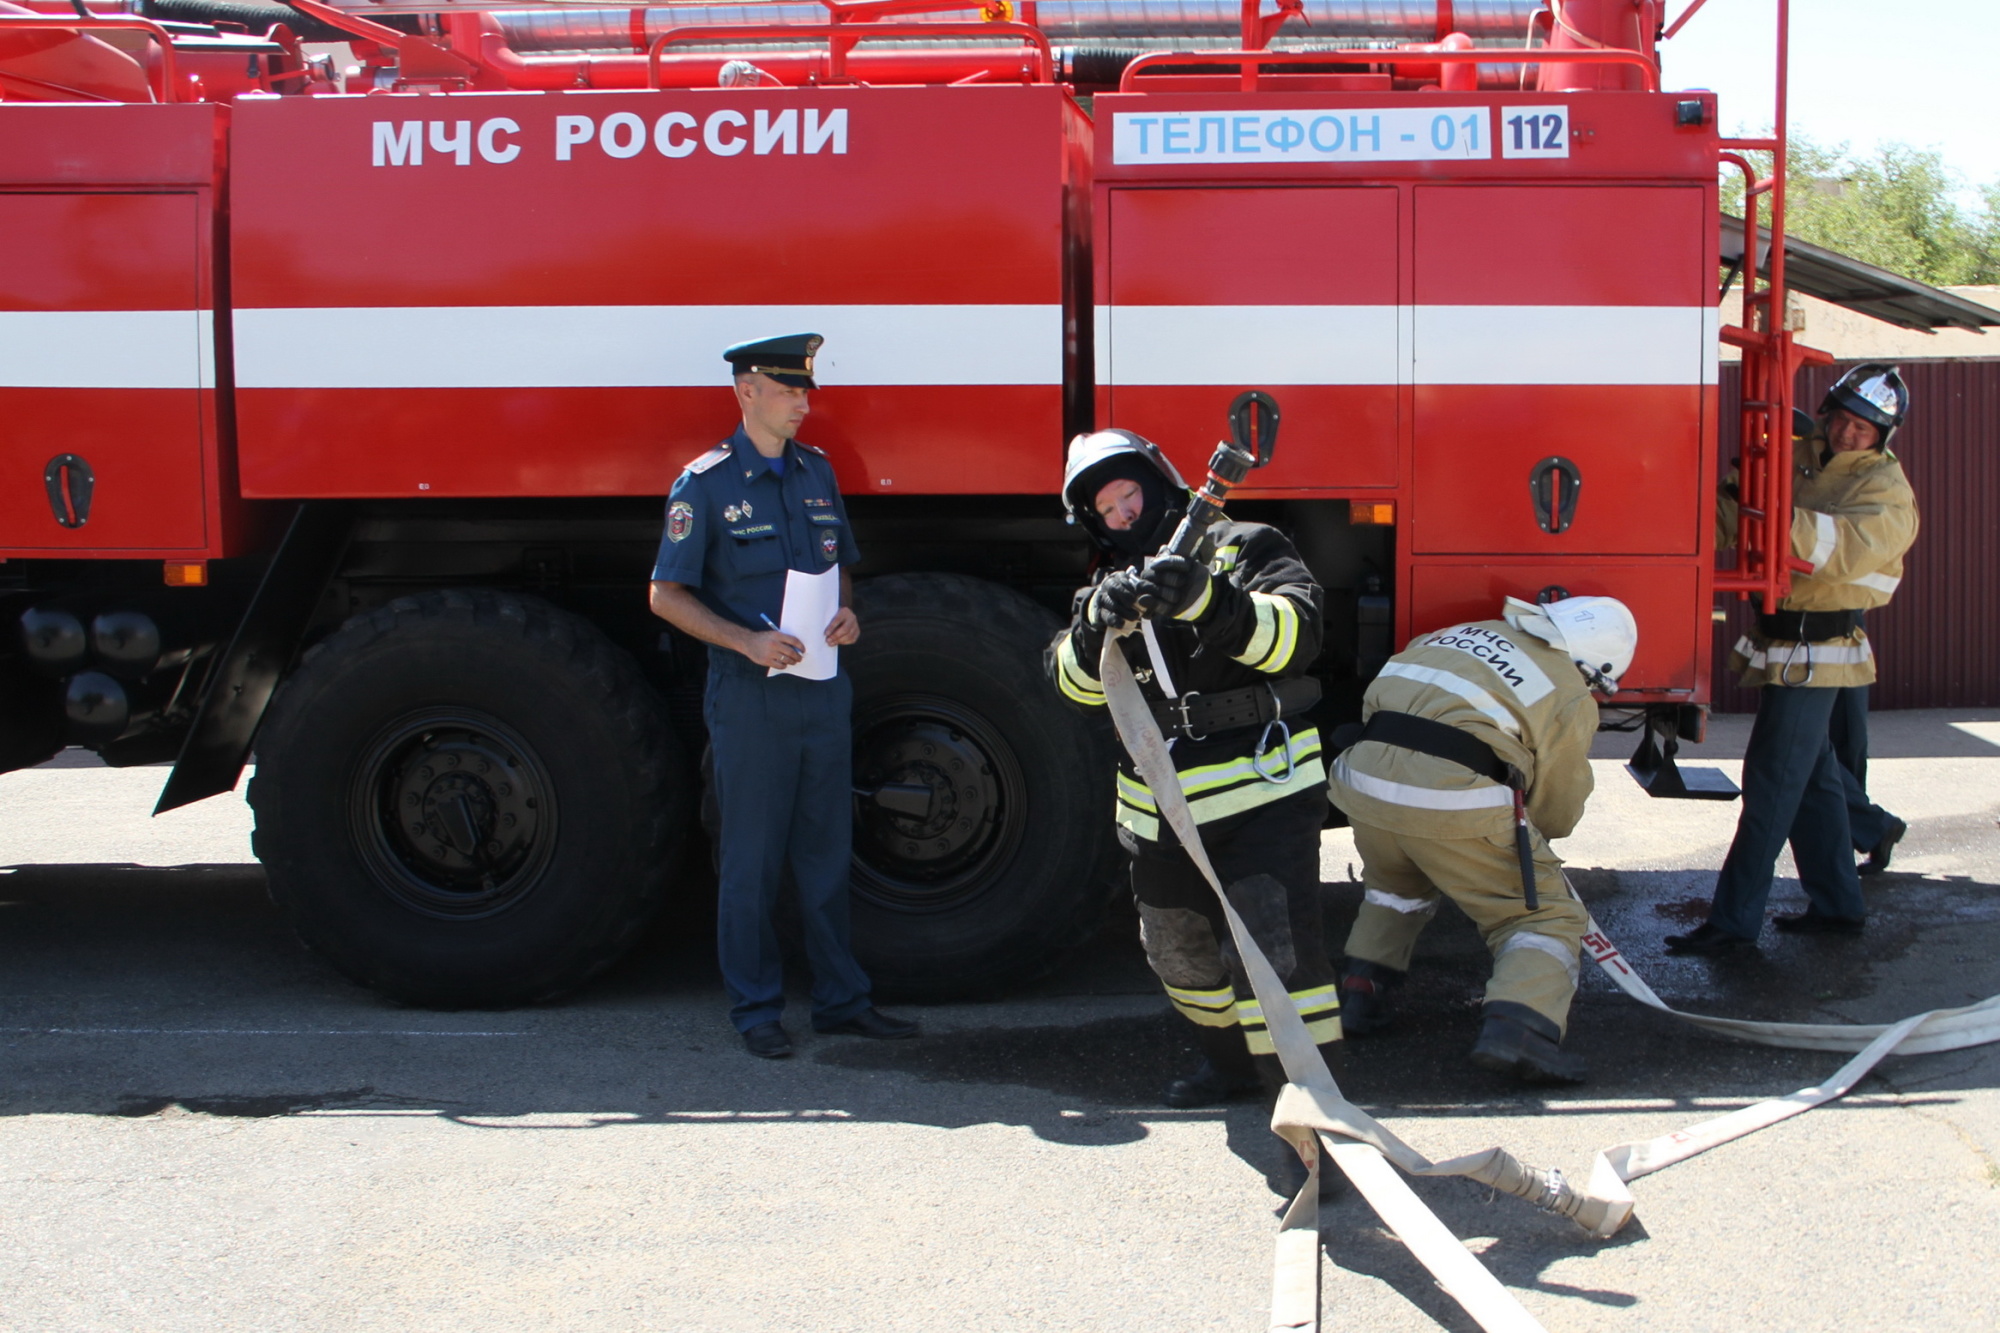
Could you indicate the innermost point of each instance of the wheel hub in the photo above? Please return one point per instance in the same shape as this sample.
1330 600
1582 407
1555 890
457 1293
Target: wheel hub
459 814
935 800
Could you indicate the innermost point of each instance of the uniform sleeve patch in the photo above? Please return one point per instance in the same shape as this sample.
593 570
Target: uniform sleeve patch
680 520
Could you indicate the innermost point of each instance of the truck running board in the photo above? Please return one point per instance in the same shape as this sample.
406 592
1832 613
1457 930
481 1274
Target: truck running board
1654 769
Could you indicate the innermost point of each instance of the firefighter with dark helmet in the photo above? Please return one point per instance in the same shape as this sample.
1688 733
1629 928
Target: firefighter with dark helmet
1225 638
1474 751
1853 517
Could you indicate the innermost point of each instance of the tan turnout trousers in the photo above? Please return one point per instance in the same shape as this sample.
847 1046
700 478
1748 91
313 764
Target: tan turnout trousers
1534 953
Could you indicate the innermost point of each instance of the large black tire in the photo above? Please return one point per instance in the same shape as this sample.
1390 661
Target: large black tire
468 799
1013 860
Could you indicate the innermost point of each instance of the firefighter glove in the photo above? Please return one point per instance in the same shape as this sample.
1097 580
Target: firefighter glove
1116 601
1179 586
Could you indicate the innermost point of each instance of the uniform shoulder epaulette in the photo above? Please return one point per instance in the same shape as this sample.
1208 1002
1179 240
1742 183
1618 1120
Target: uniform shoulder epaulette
709 459
809 448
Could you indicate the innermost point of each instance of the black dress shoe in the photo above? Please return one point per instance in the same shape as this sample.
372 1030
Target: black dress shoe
1814 922
1709 940
872 1022
1207 1086
1878 860
768 1040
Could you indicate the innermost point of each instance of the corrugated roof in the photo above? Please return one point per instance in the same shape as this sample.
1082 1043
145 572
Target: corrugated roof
1849 282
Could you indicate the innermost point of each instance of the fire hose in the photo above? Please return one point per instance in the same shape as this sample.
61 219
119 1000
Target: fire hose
1311 1103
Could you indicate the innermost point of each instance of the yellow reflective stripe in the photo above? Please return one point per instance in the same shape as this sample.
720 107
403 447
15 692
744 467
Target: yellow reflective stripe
1142 824
1133 792
1287 620
1075 682
1250 795
1315 999
1208 777
1201 603
1208 1018
1321 1030
1220 997
1264 635
1225 559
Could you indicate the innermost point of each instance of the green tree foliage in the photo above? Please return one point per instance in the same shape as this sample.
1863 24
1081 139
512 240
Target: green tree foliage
1895 210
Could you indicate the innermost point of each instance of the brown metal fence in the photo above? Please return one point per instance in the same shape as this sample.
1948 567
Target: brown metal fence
1938 644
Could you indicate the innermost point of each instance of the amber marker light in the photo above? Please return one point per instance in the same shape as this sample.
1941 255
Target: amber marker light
1381 513
187 573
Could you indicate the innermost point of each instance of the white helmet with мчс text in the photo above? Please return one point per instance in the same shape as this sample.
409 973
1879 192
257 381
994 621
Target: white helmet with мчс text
1599 634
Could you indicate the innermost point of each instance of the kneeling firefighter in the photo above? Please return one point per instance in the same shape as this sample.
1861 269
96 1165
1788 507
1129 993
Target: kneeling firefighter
1226 637
1473 751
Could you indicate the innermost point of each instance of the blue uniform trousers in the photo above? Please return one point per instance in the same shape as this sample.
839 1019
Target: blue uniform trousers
783 785
1792 791
1868 822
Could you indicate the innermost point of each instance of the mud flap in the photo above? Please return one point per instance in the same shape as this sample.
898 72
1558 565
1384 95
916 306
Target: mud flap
243 680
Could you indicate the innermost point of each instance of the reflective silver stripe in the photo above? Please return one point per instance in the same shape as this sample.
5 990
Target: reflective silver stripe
1485 797
1073 679
1825 538
1396 902
1266 632
1548 944
1459 686
1276 635
1286 619
1845 654
1881 583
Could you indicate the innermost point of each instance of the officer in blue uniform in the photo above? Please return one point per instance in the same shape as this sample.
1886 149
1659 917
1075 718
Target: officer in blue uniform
739 517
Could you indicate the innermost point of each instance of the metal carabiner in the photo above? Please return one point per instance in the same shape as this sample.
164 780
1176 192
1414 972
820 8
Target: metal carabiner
1785 671
1257 754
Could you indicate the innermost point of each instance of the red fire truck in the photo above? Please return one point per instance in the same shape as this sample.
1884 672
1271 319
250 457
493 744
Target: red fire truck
337 402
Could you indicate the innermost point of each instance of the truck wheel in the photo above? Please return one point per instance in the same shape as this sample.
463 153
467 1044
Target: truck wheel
468 798
983 837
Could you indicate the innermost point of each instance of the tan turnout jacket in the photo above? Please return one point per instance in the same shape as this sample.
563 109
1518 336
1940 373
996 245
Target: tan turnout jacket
1500 684
1853 517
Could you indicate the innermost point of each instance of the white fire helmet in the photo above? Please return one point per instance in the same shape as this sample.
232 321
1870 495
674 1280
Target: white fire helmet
1598 633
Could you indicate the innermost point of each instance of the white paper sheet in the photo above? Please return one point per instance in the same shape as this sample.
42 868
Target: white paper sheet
811 603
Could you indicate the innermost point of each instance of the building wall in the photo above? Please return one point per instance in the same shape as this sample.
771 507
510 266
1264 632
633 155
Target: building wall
1853 336
1937 645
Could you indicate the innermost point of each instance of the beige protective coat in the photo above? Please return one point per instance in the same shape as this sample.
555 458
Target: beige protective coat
1427 827
1853 518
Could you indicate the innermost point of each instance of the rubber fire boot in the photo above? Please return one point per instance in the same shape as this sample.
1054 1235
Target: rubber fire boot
1364 998
1225 1071
1516 1040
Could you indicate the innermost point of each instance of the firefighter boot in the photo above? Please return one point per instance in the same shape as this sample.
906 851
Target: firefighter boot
1516 1040
1224 1072
1364 998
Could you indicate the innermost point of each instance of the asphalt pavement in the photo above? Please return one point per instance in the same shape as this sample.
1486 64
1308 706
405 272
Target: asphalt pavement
203 1127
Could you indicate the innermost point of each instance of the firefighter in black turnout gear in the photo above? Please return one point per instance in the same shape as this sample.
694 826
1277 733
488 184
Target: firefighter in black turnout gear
1226 638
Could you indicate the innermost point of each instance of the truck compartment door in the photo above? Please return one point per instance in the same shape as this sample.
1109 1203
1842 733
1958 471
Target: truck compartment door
1563 338
1292 291
104 358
